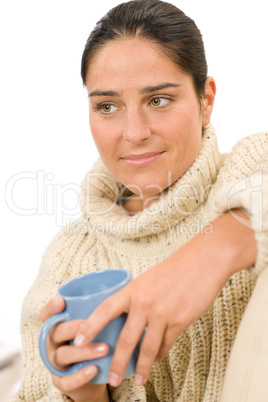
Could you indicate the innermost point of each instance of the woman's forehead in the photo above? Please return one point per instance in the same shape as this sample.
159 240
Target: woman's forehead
131 60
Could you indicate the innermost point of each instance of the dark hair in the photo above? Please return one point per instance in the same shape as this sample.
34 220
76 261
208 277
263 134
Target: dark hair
160 22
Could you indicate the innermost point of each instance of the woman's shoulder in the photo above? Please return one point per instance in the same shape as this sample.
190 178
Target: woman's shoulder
74 232
254 144
61 261
67 244
245 155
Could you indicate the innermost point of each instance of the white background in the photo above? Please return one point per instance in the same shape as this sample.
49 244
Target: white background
46 143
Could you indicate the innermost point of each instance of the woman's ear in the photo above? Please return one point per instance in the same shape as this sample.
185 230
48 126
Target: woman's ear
208 100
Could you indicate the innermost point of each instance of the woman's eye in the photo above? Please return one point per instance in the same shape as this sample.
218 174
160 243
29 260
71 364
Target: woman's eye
107 108
158 102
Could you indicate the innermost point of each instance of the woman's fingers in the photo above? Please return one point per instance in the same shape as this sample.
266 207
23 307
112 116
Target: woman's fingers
168 341
66 355
149 351
145 310
127 342
75 381
64 332
54 306
139 316
108 310
62 354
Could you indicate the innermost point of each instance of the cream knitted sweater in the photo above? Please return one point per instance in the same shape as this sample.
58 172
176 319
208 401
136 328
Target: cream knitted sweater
106 237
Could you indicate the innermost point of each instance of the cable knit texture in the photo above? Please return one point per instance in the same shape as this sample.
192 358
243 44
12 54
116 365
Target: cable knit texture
107 237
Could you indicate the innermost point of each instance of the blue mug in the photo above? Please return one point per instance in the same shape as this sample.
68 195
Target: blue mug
82 295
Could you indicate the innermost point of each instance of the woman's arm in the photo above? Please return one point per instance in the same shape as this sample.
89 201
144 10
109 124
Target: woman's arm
172 295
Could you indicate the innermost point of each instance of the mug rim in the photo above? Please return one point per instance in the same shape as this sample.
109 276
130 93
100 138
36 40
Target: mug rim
110 289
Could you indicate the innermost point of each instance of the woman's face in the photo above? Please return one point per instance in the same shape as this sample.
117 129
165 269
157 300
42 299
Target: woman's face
145 116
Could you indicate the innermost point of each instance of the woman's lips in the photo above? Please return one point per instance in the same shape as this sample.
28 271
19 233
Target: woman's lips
142 159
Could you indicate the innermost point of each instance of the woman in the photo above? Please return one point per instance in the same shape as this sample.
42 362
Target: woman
159 199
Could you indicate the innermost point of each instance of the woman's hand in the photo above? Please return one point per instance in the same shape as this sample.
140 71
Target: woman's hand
167 298
62 355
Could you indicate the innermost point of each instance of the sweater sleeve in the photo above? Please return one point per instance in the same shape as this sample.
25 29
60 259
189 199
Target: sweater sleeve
243 183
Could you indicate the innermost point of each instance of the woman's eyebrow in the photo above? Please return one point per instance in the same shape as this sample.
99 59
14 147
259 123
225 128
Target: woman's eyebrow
155 88
104 93
144 91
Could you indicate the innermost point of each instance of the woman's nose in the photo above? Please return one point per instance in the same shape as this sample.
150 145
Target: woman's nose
136 128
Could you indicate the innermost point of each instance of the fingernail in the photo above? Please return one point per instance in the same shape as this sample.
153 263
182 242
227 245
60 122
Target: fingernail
139 379
91 370
79 340
99 348
55 302
114 379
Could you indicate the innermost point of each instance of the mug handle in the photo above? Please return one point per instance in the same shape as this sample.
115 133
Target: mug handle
55 319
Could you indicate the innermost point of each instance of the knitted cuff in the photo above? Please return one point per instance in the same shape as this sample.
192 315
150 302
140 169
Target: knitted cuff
251 195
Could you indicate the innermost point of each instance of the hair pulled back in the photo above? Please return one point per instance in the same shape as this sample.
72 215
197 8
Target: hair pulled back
162 23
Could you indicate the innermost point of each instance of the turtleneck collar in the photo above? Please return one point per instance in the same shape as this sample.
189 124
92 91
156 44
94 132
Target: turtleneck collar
101 192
